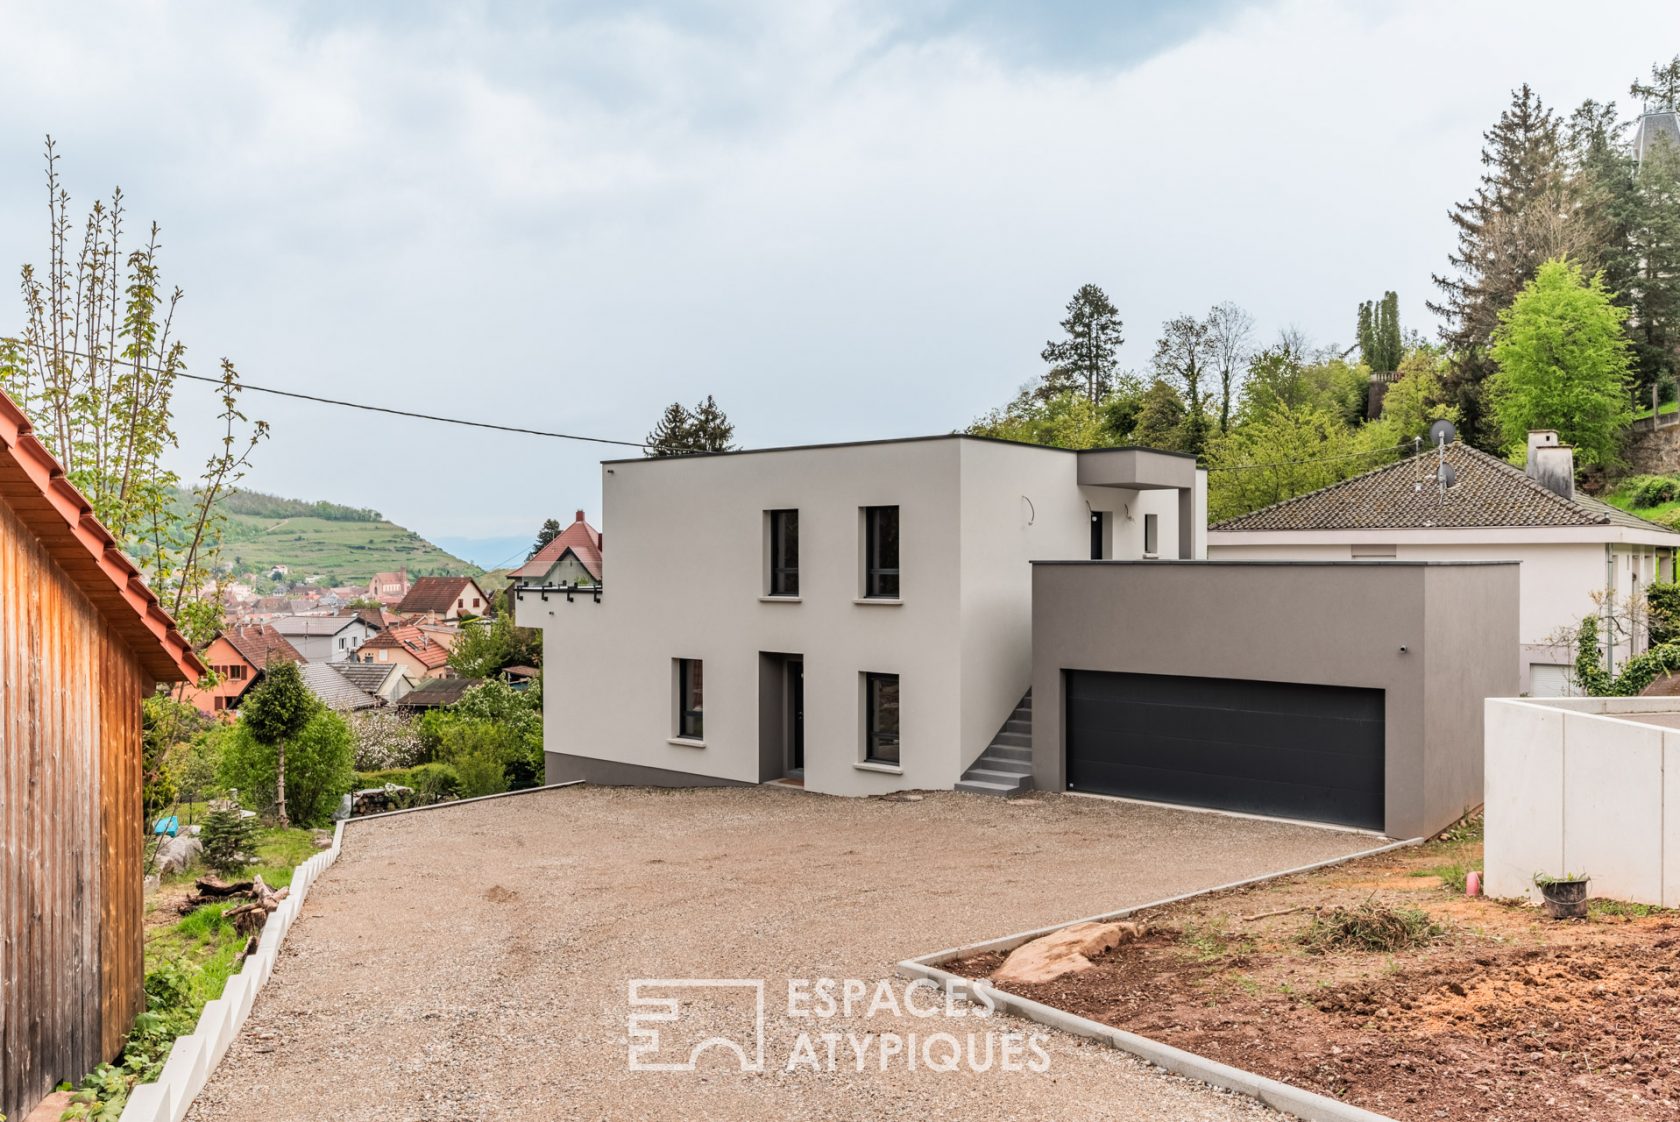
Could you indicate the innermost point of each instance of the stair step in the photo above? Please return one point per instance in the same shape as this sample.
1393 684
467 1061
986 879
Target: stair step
986 775
976 787
1013 739
1015 724
998 763
1006 752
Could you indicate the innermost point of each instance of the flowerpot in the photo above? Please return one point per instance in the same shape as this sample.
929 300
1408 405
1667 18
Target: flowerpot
1565 899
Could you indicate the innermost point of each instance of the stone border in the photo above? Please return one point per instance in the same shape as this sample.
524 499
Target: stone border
196 1055
1280 1096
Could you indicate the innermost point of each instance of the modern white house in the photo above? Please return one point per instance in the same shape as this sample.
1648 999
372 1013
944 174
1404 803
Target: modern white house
1579 556
855 617
325 638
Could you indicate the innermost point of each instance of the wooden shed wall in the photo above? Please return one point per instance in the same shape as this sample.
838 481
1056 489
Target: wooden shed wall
71 828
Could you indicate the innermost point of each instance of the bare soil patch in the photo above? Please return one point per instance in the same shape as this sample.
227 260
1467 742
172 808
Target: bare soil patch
1500 1015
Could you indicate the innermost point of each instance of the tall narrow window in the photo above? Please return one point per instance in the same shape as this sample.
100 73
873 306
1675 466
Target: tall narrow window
1099 535
881 552
784 553
1151 534
881 702
691 722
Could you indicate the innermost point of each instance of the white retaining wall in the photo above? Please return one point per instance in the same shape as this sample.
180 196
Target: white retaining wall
196 1055
1581 785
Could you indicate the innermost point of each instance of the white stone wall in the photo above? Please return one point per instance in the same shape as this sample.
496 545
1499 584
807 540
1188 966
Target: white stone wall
1581 785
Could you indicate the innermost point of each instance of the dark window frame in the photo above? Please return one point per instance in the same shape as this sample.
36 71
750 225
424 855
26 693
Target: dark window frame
691 721
784 573
875 738
1151 535
880 580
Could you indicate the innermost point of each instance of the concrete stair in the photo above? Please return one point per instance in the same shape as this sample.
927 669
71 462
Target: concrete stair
1005 767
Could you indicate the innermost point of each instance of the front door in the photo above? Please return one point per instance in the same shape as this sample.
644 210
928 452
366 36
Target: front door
796 714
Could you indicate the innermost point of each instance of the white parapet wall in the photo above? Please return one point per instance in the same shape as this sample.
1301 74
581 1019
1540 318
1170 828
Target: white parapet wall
1584 785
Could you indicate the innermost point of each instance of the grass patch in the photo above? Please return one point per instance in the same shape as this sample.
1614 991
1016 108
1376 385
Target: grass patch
1598 909
1455 853
1210 942
1370 927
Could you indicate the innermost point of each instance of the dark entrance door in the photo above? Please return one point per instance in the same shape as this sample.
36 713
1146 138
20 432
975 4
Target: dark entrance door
796 714
1275 748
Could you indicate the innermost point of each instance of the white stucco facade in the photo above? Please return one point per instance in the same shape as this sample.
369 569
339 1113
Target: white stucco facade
1567 573
690 580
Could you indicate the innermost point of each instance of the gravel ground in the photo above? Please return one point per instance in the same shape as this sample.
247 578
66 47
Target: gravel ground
472 962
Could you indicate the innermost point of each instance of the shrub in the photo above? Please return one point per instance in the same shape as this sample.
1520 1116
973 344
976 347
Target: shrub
1663 619
1369 927
229 838
385 739
192 764
1651 490
435 781
318 768
480 752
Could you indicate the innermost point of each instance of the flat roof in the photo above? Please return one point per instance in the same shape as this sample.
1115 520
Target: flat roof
899 440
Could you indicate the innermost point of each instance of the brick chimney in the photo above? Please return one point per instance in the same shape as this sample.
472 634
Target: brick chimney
1551 464
580 516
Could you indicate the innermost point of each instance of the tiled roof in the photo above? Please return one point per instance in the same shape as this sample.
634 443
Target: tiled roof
259 644
311 625
369 676
434 594
436 692
334 689
580 537
1488 492
409 638
33 485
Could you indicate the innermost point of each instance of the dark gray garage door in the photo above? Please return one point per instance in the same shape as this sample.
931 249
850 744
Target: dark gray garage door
1294 751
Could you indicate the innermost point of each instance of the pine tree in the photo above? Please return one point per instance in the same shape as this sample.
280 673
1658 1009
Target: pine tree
1365 334
1084 358
229 837
1653 293
673 434
550 530
1519 216
712 431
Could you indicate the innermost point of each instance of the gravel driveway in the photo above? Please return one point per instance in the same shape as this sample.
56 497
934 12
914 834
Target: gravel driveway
472 962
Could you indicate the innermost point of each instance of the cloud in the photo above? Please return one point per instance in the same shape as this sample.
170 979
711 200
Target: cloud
846 220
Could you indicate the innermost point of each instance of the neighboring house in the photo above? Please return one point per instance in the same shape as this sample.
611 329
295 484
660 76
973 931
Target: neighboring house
325 638
82 642
335 690
573 557
444 635
858 616
384 680
520 677
444 598
409 648
389 588
1579 556
435 693
238 655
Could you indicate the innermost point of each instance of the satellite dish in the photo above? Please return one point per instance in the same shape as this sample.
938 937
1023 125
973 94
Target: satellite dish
1442 432
1445 476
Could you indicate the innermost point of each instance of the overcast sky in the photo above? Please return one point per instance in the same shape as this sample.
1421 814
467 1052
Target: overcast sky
845 220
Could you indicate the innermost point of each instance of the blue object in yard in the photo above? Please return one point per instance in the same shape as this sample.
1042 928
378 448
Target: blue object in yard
170 826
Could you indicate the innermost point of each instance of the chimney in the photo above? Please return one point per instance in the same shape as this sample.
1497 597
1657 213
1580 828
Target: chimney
580 516
1550 464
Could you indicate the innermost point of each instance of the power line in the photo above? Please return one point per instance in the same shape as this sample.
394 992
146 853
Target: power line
416 416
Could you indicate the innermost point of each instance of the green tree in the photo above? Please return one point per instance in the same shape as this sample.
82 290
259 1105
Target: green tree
1417 400
1230 329
1183 357
275 711
1562 363
1281 451
1653 291
95 368
1160 418
1380 344
550 530
315 763
491 643
1064 420
1520 214
1083 359
230 839
705 428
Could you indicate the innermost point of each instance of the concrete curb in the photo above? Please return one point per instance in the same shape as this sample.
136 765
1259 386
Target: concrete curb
1285 1097
196 1055
465 802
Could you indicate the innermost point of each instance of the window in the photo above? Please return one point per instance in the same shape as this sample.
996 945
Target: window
784 553
1151 535
1099 526
881 718
218 703
691 693
880 552
477 602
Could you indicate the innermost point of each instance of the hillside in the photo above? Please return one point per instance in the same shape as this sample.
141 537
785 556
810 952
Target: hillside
343 545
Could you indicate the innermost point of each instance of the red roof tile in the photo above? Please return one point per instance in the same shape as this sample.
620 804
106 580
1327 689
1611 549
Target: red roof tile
32 483
411 639
260 644
436 594
580 537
